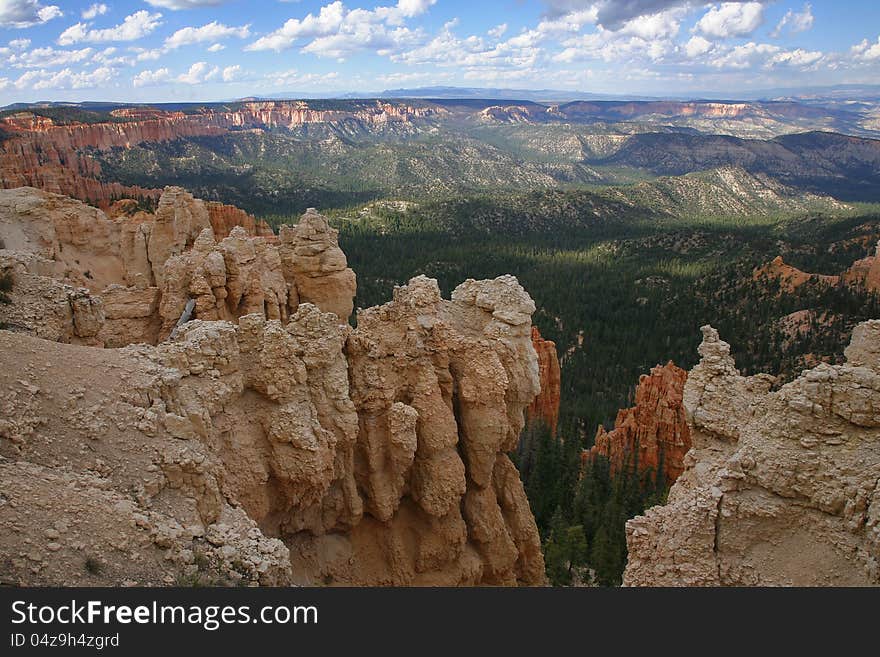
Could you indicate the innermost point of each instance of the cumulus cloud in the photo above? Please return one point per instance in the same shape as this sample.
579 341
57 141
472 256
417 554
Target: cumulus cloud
213 31
798 57
231 73
336 31
697 46
147 54
26 13
151 78
185 4
764 56
66 79
94 11
43 58
198 73
650 36
795 22
613 14
866 51
136 26
217 47
731 19
474 53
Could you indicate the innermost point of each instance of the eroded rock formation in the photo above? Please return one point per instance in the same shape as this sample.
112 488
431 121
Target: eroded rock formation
780 488
790 278
267 442
545 407
864 272
143 268
653 435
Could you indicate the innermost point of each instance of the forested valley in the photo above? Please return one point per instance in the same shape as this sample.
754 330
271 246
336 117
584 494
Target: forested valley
619 292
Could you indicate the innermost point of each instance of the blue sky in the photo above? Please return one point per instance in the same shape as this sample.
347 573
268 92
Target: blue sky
161 50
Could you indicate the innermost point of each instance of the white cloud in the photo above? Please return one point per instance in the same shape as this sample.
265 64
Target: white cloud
798 57
151 78
213 31
328 20
866 51
336 31
26 13
136 26
644 37
231 73
569 22
794 22
112 57
198 73
472 52
66 79
19 44
43 58
217 47
731 19
293 78
662 25
144 54
185 4
498 31
697 46
94 11
747 55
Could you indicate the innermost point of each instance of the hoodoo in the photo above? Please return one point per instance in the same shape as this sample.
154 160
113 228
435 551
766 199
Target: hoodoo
267 441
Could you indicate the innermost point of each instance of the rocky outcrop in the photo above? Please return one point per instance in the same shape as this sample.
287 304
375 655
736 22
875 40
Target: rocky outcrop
790 278
45 307
235 277
653 436
865 272
439 388
780 488
375 456
265 441
315 265
545 407
144 268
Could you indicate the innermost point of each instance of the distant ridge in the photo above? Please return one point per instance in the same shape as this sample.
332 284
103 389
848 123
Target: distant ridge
818 95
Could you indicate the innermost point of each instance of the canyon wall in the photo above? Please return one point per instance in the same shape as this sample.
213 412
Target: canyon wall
653 436
264 440
780 488
37 152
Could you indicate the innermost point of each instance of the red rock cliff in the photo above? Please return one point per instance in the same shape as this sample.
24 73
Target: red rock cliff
40 153
226 217
545 406
655 428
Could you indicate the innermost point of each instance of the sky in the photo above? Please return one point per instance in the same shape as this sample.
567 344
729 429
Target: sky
204 50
